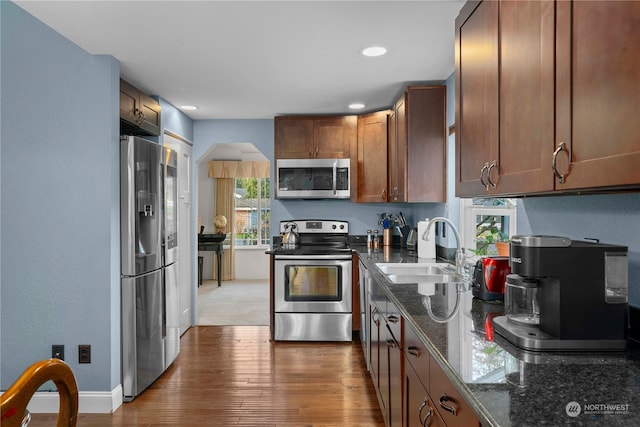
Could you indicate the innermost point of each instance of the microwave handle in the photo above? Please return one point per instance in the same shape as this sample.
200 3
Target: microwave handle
335 176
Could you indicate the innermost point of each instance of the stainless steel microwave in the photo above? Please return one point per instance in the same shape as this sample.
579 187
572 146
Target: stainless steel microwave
313 179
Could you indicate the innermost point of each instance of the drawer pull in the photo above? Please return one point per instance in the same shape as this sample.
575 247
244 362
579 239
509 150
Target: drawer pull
444 398
414 351
393 319
425 422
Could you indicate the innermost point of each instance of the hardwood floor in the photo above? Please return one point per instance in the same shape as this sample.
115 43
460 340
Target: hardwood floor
233 375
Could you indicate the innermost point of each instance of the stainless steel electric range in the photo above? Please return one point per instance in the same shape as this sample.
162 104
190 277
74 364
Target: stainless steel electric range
312 283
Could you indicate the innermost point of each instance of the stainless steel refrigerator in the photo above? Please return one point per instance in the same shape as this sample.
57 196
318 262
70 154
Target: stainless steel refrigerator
150 338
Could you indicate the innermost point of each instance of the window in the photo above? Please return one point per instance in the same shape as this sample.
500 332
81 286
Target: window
485 222
252 212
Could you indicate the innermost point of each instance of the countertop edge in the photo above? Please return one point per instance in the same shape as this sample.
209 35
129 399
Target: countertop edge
480 410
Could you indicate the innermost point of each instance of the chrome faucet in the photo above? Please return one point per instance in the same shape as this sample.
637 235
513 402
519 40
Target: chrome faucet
460 256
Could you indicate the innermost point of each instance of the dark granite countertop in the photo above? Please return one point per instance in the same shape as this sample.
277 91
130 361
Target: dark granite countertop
504 385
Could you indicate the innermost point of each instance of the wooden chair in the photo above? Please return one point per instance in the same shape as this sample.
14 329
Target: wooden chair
17 397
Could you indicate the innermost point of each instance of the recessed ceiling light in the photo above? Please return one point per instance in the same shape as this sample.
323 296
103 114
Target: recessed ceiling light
188 107
373 51
356 106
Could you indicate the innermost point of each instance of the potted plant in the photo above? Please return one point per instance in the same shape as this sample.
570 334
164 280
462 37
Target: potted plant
490 239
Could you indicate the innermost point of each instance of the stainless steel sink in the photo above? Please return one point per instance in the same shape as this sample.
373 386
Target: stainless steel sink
425 278
419 273
417 268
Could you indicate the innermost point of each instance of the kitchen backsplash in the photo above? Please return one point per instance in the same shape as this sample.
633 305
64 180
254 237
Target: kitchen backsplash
612 219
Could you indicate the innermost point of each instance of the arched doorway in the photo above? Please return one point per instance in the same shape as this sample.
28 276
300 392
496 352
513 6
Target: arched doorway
228 179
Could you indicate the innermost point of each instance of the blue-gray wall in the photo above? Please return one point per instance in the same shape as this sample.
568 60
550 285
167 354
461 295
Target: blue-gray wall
611 218
60 202
174 120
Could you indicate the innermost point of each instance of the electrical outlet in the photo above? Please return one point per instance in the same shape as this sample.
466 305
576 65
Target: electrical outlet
57 351
84 353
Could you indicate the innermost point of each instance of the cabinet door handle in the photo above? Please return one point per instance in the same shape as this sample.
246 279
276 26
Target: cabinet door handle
391 343
450 408
482 171
424 422
561 147
139 116
316 151
393 319
414 351
489 180
374 316
384 195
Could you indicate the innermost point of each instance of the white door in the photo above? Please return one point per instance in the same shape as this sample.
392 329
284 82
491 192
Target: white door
186 285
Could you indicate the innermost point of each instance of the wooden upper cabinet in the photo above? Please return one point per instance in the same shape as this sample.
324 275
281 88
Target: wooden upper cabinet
140 114
426 136
476 74
314 137
370 172
397 151
598 94
526 128
544 86
334 136
417 146
293 138
129 103
505 97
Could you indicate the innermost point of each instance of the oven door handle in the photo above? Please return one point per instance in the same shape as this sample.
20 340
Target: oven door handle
314 257
335 177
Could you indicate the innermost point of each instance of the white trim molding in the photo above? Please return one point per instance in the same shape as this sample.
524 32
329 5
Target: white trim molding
89 402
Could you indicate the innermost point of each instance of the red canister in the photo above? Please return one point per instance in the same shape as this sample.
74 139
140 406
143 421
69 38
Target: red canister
489 278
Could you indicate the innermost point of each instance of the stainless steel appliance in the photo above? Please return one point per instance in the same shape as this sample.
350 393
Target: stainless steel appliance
565 295
312 296
313 179
150 337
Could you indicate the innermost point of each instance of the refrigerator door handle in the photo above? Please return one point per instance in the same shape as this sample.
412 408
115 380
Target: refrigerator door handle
164 307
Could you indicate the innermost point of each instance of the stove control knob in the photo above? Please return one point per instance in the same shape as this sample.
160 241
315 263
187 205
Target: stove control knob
341 226
333 226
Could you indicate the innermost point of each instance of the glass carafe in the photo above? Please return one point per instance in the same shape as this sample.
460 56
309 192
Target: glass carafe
521 303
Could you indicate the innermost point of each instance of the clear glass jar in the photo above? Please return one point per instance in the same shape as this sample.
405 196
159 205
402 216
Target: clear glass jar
521 303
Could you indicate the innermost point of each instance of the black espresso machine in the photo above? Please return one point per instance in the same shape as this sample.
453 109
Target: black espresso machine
565 295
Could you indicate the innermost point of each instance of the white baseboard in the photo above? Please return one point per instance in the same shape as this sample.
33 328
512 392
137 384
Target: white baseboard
89 402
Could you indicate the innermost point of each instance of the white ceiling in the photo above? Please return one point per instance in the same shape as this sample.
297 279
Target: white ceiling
259 59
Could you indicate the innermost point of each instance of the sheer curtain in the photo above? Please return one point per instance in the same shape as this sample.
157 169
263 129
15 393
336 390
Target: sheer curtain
224 205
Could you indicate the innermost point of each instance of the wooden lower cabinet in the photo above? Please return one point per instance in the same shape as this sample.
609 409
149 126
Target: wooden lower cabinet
411 388
376 361
419 409
386 356
394 355
452 407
